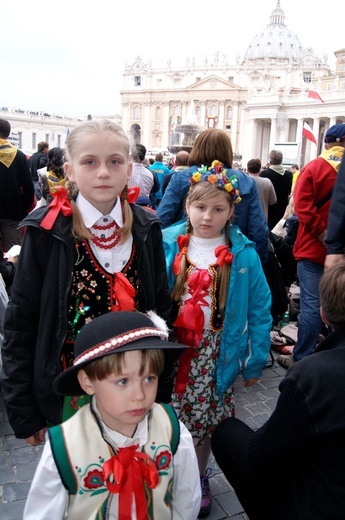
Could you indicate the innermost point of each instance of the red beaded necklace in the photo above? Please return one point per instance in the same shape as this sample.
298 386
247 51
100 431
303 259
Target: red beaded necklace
108 226
106 242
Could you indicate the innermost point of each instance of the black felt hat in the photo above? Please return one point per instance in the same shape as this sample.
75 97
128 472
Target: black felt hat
109 334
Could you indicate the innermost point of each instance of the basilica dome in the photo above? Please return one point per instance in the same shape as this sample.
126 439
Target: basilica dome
276 41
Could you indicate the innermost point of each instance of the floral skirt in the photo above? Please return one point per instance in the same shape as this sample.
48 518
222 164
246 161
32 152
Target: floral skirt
200 409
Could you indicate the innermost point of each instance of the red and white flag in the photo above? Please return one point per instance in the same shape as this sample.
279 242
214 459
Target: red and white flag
314 95
308 133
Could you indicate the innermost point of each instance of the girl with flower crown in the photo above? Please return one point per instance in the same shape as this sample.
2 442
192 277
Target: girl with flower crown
90 252
222 309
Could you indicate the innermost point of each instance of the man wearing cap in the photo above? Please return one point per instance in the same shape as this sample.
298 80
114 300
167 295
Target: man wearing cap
312 200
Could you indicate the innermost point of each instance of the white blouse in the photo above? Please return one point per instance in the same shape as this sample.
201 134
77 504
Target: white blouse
112 260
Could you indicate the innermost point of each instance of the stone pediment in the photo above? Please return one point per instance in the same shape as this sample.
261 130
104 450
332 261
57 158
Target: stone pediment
212 82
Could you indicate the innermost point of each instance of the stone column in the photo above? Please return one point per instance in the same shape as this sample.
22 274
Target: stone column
234 123
203 114
273 136
221 109
299 140
165 125
125 117
316 131
184 111
146 135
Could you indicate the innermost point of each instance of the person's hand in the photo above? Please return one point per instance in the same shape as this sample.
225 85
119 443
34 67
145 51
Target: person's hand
331 260
36 439
13 259
251 381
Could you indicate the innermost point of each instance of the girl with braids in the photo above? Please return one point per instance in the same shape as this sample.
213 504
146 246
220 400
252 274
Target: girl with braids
222 309
90 252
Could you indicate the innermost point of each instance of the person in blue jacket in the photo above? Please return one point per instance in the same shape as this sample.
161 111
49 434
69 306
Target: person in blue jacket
222 309
248 215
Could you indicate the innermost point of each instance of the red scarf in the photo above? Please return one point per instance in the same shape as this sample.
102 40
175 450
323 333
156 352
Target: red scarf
126 473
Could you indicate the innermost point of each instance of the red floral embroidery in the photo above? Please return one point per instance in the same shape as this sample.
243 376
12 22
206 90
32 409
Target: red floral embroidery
94 479
163 460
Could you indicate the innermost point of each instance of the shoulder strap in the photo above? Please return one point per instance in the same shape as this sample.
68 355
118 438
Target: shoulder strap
324 199
61 459
175 426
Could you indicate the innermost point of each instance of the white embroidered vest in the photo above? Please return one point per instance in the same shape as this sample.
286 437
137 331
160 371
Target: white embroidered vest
79 452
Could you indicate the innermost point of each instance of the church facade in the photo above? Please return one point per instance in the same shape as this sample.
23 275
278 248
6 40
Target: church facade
262 101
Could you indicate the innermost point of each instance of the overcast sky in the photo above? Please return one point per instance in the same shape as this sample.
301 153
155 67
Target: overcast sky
68 58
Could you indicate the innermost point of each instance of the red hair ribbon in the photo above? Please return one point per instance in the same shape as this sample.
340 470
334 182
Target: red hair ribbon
190 324
125 474
133 194
223 255
124 293
182 242
59 203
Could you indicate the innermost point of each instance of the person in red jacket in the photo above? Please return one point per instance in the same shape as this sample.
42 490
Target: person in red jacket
314 186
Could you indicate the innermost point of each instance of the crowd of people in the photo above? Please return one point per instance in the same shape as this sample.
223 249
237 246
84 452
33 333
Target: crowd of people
140 294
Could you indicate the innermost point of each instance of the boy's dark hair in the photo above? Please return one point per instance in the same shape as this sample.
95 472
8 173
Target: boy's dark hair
159 157
295 166
5 128
104 367
254 166
42 145
332 295
138 152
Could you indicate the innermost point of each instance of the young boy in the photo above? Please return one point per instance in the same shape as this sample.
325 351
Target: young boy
293 466
123 456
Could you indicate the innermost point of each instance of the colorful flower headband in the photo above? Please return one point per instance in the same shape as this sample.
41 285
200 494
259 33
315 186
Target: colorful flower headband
216 174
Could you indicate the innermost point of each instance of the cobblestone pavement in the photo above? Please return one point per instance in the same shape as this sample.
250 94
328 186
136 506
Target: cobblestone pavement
18 460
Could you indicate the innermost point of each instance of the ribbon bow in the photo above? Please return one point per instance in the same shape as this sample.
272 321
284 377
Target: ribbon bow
223 255
59 203
182 242
133 194
123 293
190 324
126 473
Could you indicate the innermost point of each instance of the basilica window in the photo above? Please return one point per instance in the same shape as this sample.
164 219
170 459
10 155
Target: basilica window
228 112
137 81
177 110
213 111
307 77
136 112
158 112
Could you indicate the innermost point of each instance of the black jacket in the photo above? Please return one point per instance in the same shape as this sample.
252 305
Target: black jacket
36 317
335 240
16 189
37 160
301 448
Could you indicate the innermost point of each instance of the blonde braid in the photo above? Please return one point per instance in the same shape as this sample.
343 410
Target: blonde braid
224 272
181 278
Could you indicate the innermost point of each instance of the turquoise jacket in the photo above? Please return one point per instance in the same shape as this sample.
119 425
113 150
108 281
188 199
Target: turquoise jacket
245 341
